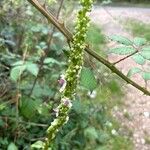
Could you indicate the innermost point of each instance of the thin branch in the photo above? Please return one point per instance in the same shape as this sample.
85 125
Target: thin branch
46 52
68 35
25 122
120 60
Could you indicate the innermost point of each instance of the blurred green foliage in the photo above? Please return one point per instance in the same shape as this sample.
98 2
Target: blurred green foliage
130 1
139 28
29 87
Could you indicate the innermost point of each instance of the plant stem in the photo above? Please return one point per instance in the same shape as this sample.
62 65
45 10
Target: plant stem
68 35
120 60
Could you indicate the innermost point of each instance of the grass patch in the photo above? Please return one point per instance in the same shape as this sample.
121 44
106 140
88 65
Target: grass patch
139 29
95 38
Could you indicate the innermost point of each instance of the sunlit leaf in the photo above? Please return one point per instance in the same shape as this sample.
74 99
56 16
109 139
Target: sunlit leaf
32 68
133 71
12 146
38 145
146 49
121 39
16 72
50 60
146 76
139 41
122 50
21 62
145 54
139 59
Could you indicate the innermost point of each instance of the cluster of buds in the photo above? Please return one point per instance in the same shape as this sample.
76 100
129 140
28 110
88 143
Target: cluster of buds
68 82
78 45
65 102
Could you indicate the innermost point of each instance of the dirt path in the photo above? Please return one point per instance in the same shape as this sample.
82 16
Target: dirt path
136 104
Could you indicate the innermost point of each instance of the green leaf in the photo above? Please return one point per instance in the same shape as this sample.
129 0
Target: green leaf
121 39
139 59
91 133
87 79
146 76
28 107
2 106
133 71
11 43
146 49
18 63
38 145
16 72
58 35
32 68
103 137
40 91
50 60
145 54
139 41
36 28
12 146
122 50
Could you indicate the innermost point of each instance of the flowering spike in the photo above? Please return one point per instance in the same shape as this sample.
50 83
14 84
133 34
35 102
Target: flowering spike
69 81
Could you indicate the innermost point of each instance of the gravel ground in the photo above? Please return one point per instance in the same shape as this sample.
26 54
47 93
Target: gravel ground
137 105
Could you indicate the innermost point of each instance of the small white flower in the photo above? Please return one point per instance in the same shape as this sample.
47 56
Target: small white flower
124 110
56 110
114 132
116 108
67 119
67 102
92 94
142 141
62 83
54 122
109 124
146 114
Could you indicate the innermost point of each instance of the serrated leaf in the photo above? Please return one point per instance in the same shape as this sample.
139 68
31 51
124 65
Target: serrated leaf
87 79
121 39
12 146
16 72
32 68
139 41
139 59
133 71
122 50
145 54
146 76
28 107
